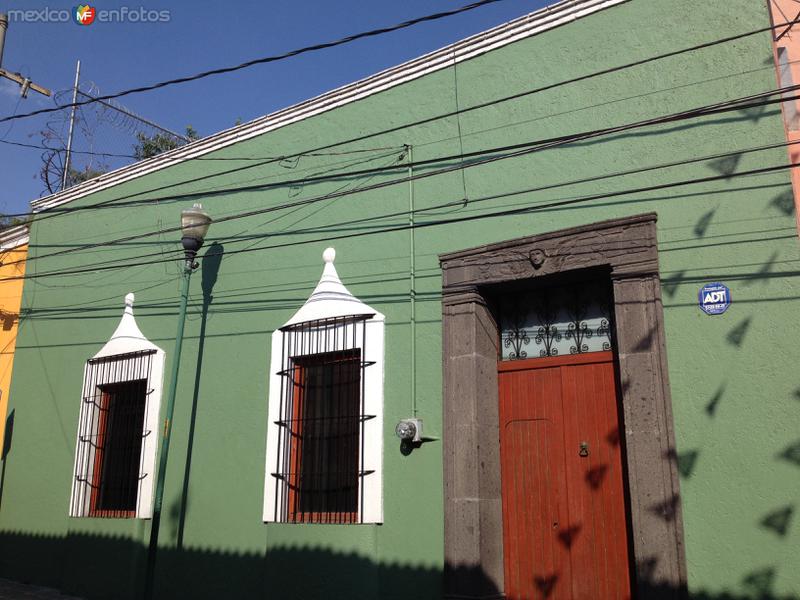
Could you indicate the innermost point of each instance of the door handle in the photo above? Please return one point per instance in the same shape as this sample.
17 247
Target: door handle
584 451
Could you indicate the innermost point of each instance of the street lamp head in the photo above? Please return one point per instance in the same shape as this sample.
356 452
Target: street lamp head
194 226
195 222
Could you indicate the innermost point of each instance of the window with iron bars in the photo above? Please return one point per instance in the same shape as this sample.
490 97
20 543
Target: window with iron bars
320 424
111 461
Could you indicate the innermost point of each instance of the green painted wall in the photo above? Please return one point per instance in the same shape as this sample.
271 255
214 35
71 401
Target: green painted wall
733 377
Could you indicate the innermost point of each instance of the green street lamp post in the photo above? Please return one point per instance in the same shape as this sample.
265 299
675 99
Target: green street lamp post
194 226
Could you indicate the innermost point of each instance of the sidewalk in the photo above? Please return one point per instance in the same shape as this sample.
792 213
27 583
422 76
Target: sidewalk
11 590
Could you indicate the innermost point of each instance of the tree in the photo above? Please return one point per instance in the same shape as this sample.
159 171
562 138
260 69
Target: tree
7 222
75 176
148 146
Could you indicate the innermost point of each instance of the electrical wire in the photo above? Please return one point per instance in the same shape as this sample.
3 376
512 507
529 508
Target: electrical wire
86 152
525 209
709 109
275 158
439 222
11 126
54 213
262 60
513 151
742 103
460 204
367 171
736 106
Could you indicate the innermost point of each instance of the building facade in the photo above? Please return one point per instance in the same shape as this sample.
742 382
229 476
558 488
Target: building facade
568 245
13 249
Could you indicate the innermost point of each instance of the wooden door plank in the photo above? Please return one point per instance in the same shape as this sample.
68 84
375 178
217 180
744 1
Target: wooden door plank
550 362
579 513
564 517
597 490
615 485
560 571
531 489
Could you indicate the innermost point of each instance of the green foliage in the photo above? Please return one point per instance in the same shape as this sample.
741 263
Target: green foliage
148 146
75 176
9 222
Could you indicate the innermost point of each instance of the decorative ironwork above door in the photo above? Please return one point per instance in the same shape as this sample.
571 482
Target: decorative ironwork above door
568 319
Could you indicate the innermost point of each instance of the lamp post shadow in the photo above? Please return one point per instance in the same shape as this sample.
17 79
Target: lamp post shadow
9 432
209 271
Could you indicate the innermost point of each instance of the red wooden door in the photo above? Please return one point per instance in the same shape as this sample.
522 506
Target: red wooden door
564 516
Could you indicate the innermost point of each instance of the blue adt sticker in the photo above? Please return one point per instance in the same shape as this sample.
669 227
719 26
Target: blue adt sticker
715 298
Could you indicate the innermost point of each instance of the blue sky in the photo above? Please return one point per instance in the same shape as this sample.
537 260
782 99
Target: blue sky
201 35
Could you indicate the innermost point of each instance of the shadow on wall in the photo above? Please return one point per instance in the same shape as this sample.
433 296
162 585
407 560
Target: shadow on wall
775 519
9 432
99 567
210 272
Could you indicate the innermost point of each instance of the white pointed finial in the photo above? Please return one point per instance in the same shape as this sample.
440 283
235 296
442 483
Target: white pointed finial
329 255
128 305
129 298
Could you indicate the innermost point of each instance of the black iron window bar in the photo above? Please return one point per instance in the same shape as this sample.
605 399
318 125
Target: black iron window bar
111 434
320 458
541 307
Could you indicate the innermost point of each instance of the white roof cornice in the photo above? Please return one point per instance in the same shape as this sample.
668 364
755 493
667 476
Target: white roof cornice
526 26
14 236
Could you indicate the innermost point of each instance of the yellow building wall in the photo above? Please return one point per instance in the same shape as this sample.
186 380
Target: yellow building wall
12 265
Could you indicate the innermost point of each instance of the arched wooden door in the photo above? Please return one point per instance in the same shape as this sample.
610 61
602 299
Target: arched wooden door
564 509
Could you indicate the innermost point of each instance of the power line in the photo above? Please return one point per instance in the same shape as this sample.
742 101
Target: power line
267 159
459 111
86 152
742 103
462 110
789 28
259 61
529 209
459 203
275 158
439 222
257 163
527 148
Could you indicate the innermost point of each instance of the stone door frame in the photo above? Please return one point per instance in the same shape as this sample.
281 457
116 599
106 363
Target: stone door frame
473 523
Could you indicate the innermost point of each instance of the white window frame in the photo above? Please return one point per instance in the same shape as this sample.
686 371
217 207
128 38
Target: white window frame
127 339
329 300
